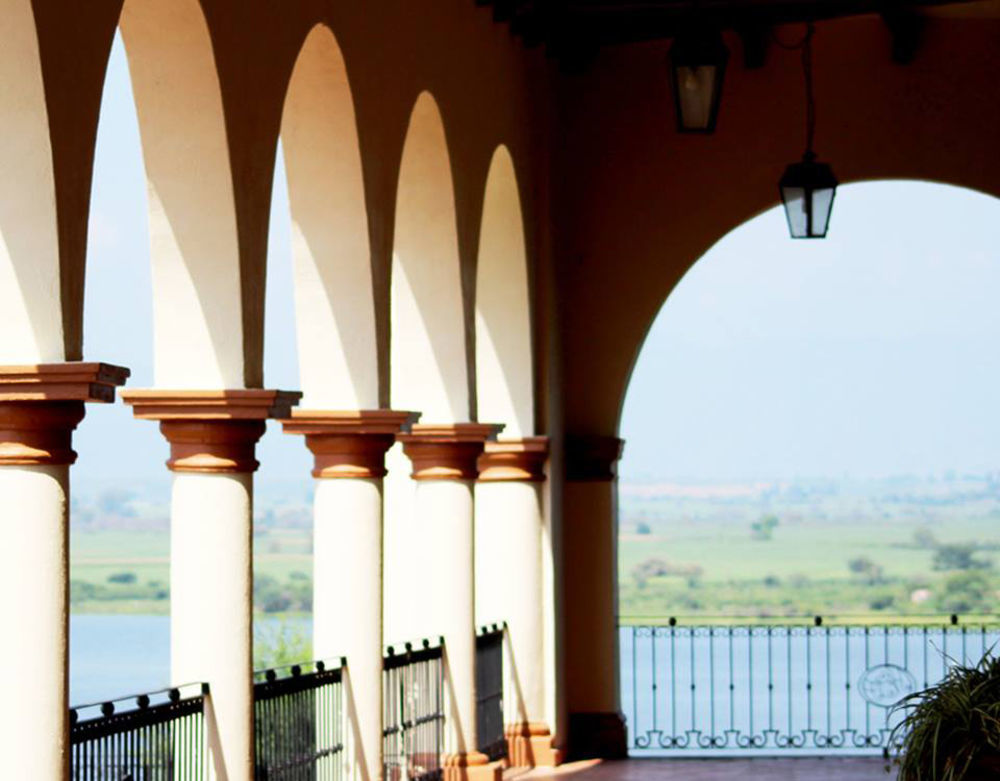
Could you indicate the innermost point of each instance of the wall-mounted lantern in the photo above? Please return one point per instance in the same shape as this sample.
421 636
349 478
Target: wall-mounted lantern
697 67
808 187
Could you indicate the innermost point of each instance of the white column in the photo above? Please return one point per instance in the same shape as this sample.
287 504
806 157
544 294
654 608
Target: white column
509 515
34 562
36 452
350 448
445 465
211 606
213 436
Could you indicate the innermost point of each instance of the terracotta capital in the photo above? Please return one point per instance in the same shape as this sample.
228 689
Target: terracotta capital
592 458
446 452
211 432
41 406
514 460
348 444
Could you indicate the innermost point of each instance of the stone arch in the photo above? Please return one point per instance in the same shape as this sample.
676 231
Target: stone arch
335 308
31 317
197 290
504 371
428 359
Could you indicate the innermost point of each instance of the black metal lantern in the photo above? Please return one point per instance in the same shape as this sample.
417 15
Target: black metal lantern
697 67
807 191
808 188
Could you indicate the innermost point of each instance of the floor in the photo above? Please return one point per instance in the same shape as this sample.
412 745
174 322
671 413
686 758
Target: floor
783 769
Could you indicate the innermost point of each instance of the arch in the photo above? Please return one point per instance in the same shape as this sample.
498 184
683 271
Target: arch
428 357
31 319
504 371
335 307
197 291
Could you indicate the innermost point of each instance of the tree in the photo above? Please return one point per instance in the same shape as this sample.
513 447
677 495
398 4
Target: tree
924 538
966 592
763 529
958 557
867 569
643 528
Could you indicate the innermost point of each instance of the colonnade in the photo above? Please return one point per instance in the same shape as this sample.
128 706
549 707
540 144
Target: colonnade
212 437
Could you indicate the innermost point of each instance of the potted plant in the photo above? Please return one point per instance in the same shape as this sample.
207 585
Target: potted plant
951 731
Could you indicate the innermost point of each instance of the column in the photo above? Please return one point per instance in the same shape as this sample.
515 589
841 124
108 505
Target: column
213 436
590 583
40 406
509 501
349 450
444 459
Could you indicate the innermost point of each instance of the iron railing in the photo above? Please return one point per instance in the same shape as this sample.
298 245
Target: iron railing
413 712
814 688
489 692
299 723
158 736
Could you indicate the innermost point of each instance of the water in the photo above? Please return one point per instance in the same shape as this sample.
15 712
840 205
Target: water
113 656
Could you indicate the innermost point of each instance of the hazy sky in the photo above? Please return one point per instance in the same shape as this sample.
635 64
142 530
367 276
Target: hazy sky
873 352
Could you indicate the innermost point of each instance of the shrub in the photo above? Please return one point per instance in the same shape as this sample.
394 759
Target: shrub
643 528
122 577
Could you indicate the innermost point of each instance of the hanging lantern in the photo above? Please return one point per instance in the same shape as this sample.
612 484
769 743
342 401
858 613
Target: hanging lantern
808 187
697 67
807 191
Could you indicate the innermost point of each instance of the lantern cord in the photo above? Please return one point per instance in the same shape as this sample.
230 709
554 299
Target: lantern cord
805 47
807 72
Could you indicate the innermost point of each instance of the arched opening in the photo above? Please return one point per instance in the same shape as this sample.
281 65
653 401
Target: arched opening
428 363
333 277
31 317
429 367
197 284
809 432
504 372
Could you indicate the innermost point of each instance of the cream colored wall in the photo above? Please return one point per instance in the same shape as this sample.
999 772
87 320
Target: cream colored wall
30 304
504 357
334 301
428 353
198 327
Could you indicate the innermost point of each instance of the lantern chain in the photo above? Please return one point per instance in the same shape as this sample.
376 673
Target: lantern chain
805 47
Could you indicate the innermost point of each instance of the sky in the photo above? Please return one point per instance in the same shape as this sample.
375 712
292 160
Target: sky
870 353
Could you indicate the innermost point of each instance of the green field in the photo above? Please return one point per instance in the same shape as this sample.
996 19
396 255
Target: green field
282 570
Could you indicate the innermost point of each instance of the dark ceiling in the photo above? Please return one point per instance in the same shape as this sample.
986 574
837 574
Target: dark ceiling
575 29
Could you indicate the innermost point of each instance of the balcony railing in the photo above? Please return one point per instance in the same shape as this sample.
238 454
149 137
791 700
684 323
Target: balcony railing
812 688
158 736
413 712
489 692
299 723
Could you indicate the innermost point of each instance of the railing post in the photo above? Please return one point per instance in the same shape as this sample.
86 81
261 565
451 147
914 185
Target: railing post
40 406
349 450
445 467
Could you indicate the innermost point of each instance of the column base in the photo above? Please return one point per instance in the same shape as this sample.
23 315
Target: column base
597 736
473 766
530 745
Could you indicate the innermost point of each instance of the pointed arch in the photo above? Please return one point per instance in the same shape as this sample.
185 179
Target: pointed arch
504 370
31 320
335 307
197 290
428 350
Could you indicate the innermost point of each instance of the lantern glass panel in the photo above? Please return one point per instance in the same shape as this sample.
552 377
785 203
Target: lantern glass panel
822 206
807 192
795 202
696 95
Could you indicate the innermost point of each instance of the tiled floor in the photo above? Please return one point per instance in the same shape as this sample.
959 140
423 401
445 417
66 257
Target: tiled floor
784 769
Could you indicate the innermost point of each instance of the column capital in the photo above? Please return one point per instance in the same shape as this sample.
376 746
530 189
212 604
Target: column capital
211 431
592 458
348 444
42 404
514 460
447 451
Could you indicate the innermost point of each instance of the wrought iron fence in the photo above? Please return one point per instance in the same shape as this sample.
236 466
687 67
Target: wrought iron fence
299 723
813 688
413 712
489 692
158 736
